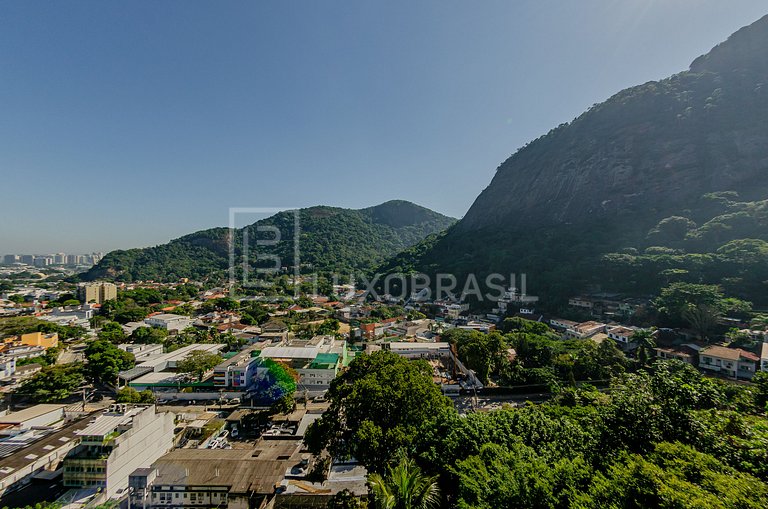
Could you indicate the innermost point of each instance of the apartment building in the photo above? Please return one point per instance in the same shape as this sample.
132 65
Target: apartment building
116 443
98 292
237 371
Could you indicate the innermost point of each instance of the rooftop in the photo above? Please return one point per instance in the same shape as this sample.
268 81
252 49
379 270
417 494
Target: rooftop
733 354
109 421
23 456
169 317
242 470
30 413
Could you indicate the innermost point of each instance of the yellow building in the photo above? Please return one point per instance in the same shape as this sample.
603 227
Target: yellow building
33 339
39 339
97 292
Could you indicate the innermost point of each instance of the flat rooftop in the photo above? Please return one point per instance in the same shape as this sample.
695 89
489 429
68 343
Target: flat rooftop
26 455
162 361
107 422
30 413
411 345
241 357
242 470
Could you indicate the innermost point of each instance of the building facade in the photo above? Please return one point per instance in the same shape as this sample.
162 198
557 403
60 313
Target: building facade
115 444
98 293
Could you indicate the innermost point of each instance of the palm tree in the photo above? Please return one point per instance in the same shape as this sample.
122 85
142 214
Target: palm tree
702 318
645 345
404 487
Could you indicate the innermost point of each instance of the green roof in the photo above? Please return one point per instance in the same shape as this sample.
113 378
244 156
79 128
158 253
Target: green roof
325 361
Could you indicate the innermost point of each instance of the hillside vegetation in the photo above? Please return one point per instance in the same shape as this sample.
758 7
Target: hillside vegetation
330 240
670 176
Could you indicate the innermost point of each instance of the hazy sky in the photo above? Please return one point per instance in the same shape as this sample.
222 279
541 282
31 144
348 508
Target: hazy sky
125 124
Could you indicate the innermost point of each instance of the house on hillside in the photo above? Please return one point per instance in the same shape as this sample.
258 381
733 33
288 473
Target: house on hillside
732 362
682 353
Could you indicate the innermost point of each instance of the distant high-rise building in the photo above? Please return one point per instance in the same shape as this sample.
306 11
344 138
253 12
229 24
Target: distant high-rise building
60 258
10 259
42 261
27 259
98 292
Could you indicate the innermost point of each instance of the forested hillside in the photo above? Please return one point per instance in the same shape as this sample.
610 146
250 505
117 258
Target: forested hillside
669 176
330 240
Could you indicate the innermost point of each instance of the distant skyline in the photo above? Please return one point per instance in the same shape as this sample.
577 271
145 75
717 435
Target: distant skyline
127 124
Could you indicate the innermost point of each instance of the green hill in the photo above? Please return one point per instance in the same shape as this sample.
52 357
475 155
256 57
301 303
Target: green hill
330 240
663 181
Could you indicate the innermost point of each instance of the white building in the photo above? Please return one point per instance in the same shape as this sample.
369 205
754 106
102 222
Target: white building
317 361
141 352
33 417
169 322
622 335
733 362
412 350
764 357
116 443
513 296
7 367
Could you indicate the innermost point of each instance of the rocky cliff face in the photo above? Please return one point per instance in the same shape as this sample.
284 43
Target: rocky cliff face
600 183
648 148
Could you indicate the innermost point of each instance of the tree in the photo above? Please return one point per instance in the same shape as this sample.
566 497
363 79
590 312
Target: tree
702 318
284 405
105 361
275 387
198 363
645 345
761 393
131 395
53 383
345 499
517 323
146 335
697 305
132 314
610 359
330 326
112 332
404 487
482 353
377 407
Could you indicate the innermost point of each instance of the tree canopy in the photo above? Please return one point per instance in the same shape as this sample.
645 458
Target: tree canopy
376 408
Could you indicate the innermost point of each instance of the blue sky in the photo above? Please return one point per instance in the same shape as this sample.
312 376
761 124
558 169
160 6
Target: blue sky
126 124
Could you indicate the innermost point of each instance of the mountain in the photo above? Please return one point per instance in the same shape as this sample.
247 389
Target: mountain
330 239
655 184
